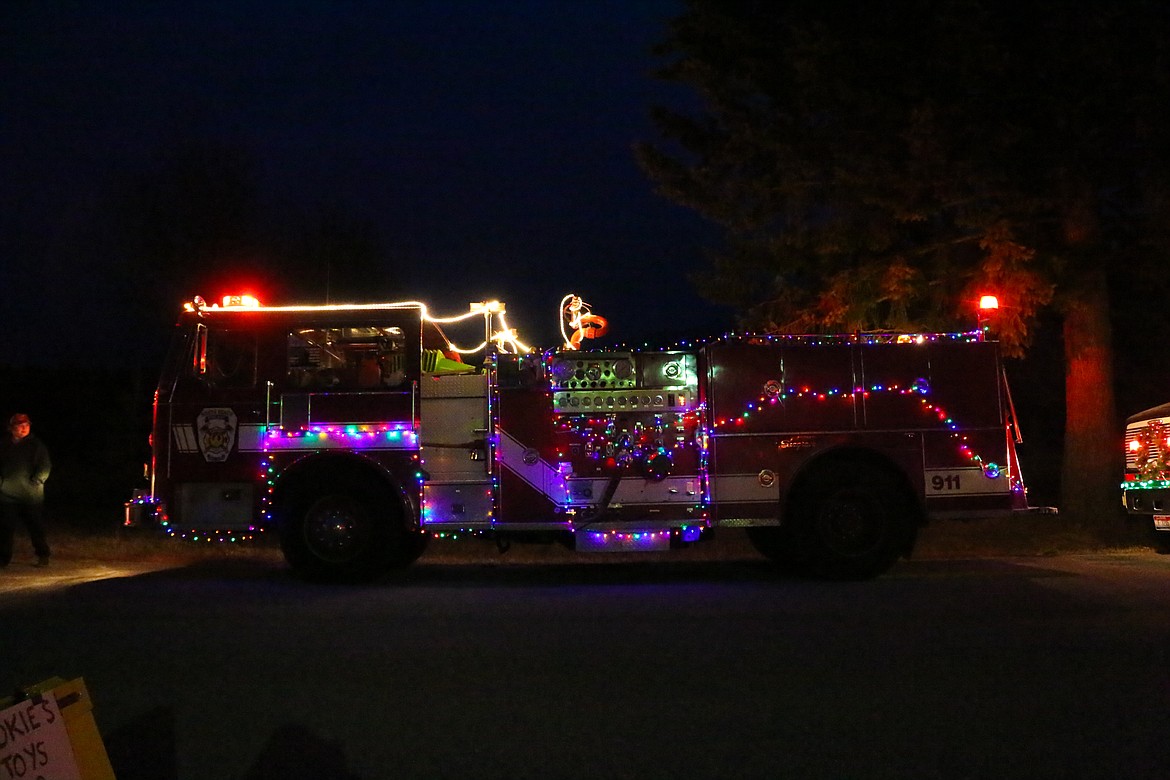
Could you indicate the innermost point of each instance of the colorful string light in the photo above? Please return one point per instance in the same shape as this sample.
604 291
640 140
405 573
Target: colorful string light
353 436
776 394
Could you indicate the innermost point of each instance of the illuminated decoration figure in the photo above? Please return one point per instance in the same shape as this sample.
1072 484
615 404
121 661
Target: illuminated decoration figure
583 323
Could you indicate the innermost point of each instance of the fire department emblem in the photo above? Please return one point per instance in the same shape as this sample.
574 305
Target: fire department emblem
217 434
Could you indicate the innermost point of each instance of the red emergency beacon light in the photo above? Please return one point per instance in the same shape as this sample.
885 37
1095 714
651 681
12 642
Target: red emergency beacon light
240 300
988 305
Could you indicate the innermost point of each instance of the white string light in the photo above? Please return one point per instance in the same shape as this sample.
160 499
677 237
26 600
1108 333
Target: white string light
505 338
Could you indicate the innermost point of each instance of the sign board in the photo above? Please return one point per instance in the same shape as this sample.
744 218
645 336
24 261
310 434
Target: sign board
34 741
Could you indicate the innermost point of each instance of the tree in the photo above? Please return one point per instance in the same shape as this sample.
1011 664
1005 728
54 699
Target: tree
877 169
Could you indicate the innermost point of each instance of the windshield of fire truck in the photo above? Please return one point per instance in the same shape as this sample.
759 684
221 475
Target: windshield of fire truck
347 358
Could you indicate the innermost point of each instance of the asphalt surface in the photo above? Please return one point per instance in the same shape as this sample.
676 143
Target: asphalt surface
1008 667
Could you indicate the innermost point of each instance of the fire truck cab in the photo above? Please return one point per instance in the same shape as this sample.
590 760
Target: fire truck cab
356 432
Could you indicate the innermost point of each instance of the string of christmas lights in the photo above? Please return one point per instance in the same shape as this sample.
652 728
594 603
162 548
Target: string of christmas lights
775 395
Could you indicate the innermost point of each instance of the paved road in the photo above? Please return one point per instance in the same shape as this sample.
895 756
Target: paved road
1037 667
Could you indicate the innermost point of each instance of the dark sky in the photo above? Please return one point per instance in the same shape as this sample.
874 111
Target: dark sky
489 141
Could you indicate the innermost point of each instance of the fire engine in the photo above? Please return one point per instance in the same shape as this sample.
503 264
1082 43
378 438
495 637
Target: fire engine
357 432
1146 489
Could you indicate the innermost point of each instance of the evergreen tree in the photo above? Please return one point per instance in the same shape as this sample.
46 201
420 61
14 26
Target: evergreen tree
878 166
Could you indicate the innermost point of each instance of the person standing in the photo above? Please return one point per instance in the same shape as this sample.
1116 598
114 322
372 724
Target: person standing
24 467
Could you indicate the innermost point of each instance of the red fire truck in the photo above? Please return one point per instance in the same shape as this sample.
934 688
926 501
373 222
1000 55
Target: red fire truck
356 432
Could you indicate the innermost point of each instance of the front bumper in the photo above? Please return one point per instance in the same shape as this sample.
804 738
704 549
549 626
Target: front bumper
1147 499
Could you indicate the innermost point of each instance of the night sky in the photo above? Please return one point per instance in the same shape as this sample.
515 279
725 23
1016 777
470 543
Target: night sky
489 142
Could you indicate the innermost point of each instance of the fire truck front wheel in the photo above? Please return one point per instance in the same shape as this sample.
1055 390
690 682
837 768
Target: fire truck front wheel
850 520
338 536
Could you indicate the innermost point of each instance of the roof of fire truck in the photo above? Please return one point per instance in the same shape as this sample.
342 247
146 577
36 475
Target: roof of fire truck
492 312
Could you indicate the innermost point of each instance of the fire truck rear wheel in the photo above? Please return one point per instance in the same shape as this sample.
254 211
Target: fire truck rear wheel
850 520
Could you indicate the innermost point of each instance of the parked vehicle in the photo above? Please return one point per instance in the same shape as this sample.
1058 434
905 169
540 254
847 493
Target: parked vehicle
356 432
1146 489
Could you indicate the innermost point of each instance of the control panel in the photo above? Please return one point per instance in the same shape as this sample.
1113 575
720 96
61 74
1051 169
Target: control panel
591 382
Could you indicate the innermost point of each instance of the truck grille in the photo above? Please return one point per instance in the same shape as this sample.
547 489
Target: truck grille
1151 445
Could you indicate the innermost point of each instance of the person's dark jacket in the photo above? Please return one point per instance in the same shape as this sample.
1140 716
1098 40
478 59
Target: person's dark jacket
24 467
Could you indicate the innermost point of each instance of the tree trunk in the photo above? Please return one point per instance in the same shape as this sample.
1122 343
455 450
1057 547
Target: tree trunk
1093 459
